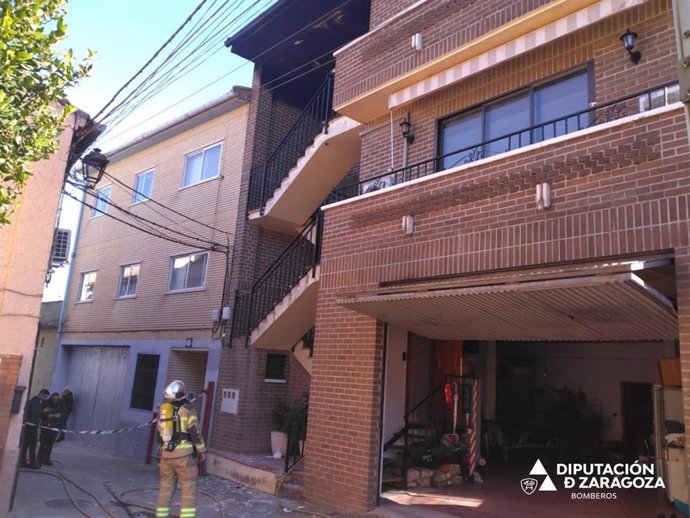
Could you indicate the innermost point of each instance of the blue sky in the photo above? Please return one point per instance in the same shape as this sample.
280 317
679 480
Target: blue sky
124 34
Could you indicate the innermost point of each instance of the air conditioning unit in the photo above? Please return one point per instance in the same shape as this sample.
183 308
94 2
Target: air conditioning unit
61 240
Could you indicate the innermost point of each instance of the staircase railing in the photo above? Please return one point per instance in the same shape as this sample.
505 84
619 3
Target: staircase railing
596 114
314 119
297 433
297 260
434 413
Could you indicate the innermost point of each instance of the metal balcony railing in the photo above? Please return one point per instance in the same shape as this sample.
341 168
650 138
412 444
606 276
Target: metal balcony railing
596 114
299 258
313 120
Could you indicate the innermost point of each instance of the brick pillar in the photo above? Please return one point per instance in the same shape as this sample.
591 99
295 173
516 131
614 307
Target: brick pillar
342 448
683 294
10 426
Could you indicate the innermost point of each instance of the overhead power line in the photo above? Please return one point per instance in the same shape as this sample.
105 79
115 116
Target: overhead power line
149 199
146 231
167 42
273 86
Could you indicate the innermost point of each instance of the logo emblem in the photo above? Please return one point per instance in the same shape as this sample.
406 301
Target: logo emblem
529 485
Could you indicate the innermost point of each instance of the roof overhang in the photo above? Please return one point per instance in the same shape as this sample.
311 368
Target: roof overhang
603 302
294 31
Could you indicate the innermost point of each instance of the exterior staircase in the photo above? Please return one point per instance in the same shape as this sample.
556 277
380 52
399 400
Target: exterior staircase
318 155
425 423
324 164
280 308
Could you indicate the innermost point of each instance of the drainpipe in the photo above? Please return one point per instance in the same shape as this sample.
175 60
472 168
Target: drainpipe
58 367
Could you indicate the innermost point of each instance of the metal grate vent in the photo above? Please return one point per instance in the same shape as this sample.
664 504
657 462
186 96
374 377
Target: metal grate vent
61 240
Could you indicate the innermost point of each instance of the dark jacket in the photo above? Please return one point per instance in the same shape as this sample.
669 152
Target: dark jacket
67 402
52 413
33 412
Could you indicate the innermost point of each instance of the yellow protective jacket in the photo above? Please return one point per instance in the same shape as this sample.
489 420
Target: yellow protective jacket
188 423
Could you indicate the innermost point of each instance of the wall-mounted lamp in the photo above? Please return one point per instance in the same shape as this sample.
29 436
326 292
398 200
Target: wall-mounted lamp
542 196
94 165
189 342
628 39
407 225
417 41
405 128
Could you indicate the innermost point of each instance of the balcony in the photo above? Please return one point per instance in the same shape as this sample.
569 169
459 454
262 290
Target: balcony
379 71
524 140
314 156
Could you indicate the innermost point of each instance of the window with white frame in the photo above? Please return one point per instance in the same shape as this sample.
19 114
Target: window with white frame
143 185
100 202
129 275
541 111
187 272
202 165
88 282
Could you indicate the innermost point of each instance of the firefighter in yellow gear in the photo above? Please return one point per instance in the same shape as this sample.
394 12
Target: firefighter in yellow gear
179 432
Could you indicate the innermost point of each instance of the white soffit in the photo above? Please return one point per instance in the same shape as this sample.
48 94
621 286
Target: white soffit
608 307
520 45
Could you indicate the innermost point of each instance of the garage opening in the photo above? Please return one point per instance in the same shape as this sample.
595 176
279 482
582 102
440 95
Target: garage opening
530 372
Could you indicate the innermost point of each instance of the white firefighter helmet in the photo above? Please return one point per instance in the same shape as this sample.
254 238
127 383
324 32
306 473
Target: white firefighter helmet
174 391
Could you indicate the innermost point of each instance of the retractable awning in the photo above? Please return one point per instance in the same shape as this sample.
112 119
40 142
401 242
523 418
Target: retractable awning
595 302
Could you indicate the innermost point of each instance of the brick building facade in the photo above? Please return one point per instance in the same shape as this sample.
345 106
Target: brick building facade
506 101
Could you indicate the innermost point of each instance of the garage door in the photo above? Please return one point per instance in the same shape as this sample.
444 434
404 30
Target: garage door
97 377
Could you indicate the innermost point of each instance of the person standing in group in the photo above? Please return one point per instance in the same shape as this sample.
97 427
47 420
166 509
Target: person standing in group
181 441
67 407
33 414
52 418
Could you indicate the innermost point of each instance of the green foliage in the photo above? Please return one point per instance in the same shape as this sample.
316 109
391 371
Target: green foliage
291 418
33 80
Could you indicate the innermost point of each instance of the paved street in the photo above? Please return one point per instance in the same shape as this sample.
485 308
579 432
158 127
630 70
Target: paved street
40 495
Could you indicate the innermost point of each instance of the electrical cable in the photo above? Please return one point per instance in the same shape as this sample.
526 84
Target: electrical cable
146 220
134 191
167 42
111 127
190 245
177 70
165 216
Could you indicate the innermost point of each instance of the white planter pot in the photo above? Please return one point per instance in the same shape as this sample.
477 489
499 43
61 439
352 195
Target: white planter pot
279 443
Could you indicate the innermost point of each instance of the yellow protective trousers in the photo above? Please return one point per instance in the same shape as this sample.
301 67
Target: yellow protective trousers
171 470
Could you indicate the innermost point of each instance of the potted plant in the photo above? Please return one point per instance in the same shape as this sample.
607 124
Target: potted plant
279 439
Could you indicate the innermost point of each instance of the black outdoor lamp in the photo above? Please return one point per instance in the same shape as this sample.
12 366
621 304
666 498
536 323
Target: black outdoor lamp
94 165
406 132
628 40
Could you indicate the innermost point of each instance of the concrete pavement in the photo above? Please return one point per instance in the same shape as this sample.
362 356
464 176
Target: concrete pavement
105 478
40 494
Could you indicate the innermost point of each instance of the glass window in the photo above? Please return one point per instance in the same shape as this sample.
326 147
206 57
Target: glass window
556 100
497 126
202 165
88 282
506 118
144 385
129 275
461 134
143 185
187 271
275 367
100 203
